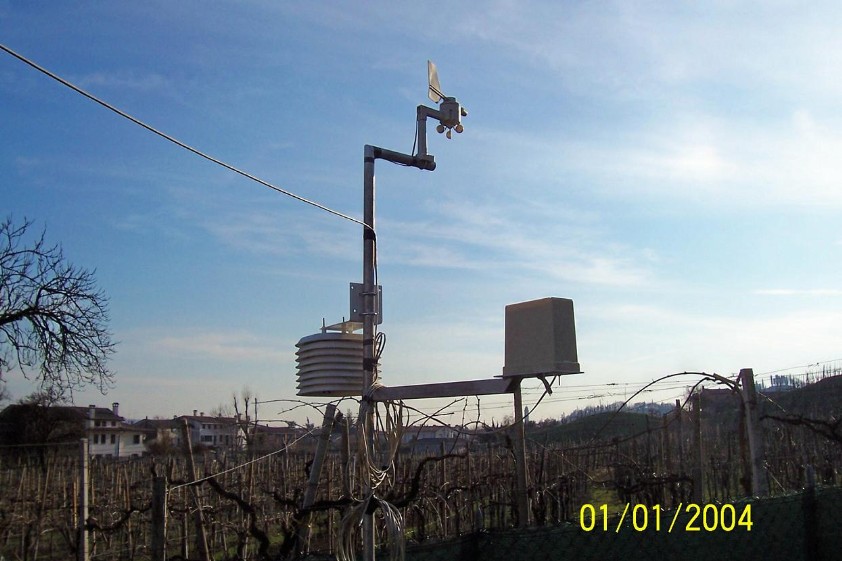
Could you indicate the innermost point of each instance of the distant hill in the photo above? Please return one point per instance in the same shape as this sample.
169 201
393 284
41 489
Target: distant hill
604 426
720 407
820 400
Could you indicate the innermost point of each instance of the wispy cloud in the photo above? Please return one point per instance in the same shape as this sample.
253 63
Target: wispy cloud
799 292
282 233
507 239
649 339
734 108
234 346
611 48
788 159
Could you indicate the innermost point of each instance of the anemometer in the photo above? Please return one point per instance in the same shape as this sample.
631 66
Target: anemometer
449 114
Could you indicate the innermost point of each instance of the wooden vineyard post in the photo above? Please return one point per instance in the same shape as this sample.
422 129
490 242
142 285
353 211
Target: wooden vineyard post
201 535
159 519
345 457
82 549
698 453
519 440
759 485
680 439
315 475
442 482
666 444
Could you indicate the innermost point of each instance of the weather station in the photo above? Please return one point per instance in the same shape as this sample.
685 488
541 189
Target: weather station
540 335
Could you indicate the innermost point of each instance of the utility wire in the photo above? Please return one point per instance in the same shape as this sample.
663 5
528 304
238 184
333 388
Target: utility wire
235 468
178 142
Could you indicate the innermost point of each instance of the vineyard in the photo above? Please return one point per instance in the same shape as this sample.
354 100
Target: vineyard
236 506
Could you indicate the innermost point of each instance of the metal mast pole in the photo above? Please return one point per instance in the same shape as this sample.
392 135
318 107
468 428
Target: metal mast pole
370 311
369 288
449 117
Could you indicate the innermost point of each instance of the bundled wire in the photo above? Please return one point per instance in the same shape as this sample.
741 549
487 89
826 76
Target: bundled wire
353 519
376 459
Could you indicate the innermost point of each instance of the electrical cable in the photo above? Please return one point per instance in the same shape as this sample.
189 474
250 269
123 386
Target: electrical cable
177 142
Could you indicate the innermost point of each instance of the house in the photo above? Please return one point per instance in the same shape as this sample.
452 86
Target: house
206 432
109 435
107 432
431 439
212 432
32 424
160 436
428 432
266 439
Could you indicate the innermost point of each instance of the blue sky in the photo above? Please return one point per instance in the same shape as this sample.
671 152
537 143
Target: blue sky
672 167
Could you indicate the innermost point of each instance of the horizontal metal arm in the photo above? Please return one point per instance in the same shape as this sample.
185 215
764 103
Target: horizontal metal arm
426 162
493 386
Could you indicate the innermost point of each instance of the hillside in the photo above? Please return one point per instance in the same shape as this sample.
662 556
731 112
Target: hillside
819 400
603 426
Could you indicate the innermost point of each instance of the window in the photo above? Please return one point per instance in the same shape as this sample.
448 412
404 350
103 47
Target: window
136 439
113 438
96 439
207 438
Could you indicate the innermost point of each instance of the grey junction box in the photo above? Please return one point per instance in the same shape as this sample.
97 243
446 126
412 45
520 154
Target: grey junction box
540 339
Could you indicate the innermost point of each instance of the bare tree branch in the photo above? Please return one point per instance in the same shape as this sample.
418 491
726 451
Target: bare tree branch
53 317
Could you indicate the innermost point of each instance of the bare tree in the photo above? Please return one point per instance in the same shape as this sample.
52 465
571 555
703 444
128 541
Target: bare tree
246 423
53 318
